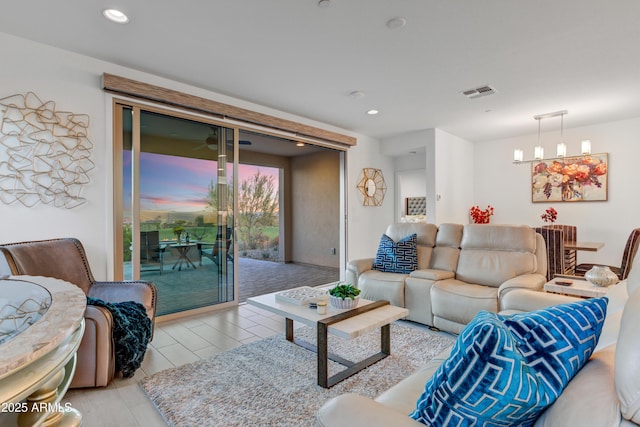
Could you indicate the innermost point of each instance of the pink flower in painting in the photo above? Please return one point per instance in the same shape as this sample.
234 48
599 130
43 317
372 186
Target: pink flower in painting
556 167
600 169
540 168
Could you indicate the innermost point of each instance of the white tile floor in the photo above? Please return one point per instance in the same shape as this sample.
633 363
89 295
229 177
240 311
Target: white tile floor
176 342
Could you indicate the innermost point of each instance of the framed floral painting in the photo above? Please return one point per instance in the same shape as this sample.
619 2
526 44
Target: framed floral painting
570 179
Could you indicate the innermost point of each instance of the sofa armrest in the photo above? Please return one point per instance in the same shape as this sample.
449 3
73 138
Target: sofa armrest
534 282
432 274
522 300
352 410
95 366
356 267
136 290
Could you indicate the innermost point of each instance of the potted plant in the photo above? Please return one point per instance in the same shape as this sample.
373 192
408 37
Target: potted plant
344 296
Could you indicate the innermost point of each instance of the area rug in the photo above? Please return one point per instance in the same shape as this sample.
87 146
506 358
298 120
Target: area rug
272 382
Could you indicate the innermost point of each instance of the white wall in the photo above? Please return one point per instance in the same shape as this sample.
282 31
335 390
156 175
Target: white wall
423 142
449 171
411 179
409 183
507 187
73 82
454 182
366 224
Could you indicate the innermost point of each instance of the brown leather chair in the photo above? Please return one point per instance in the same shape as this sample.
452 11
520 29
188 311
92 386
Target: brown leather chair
630 250
66 259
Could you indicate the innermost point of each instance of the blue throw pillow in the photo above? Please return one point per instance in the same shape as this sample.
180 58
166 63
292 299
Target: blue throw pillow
505 370
397 257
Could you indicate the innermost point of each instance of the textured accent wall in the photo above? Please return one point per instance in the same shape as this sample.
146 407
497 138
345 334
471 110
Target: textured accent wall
316 208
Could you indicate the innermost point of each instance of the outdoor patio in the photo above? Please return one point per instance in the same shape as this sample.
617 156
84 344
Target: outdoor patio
195 288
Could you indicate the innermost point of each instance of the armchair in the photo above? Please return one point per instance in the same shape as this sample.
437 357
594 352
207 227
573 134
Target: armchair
66 259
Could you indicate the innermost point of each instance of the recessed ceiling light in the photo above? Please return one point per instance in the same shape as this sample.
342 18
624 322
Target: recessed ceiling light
116 16
372 112
324 4
357 94
395 23
299 144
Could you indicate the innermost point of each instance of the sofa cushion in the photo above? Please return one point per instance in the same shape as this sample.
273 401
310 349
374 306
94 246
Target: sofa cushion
459 302
590 398
397 257
447 250
505 370
505 251
627 369
426 233
376 285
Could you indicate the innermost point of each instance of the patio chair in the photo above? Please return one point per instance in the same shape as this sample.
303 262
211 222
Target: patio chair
151 251
66 259
630 250
214 251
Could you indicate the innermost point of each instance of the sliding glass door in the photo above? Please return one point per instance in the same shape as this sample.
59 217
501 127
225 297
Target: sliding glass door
175 208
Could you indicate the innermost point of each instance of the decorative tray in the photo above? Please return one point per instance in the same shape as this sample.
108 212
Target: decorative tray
300 296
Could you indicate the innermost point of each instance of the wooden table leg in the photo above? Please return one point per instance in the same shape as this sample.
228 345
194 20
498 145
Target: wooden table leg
289 329
323 354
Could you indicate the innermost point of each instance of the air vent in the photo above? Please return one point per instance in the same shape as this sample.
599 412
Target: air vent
479 91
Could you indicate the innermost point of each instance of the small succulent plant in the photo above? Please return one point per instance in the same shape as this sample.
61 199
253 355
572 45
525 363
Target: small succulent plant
344 291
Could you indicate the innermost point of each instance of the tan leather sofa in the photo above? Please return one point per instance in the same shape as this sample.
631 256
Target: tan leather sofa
462 269
605 392
66 259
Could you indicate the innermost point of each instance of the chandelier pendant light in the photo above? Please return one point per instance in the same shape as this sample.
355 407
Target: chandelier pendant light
561 148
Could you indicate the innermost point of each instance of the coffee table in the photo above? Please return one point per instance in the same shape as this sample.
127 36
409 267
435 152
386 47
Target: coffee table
348 324
578 287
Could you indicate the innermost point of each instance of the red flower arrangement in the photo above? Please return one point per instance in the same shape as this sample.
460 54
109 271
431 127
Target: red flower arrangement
550 215
480 216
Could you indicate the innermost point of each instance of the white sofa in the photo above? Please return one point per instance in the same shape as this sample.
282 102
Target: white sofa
605 392
462 269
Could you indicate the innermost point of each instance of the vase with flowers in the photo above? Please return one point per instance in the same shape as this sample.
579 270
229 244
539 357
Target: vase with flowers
178 230
549 216
480 216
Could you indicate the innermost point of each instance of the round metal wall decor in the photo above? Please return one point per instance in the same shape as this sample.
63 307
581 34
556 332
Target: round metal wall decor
372 187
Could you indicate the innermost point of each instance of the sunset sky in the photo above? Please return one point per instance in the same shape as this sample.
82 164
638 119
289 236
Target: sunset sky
180 184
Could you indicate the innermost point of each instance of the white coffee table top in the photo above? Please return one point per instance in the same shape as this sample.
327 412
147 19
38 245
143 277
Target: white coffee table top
578 287
348 328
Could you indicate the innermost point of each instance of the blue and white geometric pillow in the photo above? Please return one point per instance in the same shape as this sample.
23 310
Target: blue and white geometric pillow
505 370
397 257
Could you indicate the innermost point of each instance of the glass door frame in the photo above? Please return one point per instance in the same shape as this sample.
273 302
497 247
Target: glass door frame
119 106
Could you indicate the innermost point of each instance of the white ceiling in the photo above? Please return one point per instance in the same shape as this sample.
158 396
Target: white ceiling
540 55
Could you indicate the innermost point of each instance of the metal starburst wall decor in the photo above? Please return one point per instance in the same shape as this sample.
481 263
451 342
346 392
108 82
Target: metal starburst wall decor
44 153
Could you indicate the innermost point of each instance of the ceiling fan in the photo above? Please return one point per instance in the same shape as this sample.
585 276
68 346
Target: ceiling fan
212 140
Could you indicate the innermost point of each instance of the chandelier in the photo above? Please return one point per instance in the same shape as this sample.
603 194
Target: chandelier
561 148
